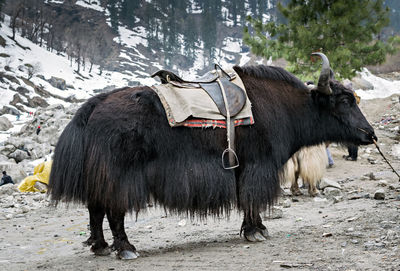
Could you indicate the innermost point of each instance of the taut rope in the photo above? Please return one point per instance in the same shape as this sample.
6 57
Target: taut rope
376 145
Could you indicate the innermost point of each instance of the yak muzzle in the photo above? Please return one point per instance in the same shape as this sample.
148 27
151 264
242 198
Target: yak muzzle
369 137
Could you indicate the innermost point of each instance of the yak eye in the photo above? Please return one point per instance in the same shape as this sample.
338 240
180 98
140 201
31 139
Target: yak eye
345 101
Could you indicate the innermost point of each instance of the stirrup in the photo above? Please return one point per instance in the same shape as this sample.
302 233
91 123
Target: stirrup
231 154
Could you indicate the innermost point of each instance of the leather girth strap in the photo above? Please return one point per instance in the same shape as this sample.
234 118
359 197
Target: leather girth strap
228 97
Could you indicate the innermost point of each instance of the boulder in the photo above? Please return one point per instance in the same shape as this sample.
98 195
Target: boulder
332 192
42 187
37 102
16 171
19 155
5 124
328 183
17 142
23 91
55 107
58 83
8 189
16 99
360 83
379 194
9 110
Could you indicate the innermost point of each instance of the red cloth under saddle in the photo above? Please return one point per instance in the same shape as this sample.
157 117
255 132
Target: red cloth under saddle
207 123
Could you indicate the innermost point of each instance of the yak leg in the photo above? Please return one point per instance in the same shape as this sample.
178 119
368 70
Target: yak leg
312 189
253 229
96 239
125 250
295 186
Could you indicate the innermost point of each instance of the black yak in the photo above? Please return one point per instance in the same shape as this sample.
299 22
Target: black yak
119 153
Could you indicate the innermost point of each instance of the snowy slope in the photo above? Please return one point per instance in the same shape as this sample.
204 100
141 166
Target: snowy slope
382 88
51 64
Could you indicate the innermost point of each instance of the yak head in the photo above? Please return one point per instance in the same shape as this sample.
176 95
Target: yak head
338 105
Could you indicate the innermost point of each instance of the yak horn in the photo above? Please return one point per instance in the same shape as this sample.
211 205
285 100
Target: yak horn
323 81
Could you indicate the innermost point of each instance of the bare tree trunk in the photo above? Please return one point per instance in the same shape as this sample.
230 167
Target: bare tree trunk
91 66
14 21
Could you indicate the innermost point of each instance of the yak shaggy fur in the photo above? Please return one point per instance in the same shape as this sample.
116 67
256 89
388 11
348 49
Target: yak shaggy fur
309 164
119 153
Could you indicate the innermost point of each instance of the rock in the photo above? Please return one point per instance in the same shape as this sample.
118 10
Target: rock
8 189
372 161
58 83
7 109
287 203
55 107
370 175
382 183
16 171
319 199
182 223
37 102
16 100
42 187
360 83
5 124
328 183
379 194
337 199
39 197
19 155
331 192
23 91
25 209
275 213
369 245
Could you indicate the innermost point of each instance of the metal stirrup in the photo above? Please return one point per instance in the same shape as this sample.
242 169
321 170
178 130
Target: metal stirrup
233 160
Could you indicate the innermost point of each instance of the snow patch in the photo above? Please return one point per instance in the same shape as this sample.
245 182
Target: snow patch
94 6
382 87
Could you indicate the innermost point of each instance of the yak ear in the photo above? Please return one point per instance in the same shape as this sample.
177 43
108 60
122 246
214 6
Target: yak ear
325 75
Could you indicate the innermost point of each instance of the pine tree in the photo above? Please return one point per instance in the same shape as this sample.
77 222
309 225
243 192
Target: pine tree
1 15
347 31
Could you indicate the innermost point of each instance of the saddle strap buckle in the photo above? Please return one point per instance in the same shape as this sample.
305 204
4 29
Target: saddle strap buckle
232 161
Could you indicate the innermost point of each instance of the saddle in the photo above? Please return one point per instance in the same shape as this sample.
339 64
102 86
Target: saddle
228 97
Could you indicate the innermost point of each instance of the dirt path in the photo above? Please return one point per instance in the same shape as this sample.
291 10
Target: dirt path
352 232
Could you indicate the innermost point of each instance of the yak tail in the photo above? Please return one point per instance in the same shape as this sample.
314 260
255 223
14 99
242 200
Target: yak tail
66 181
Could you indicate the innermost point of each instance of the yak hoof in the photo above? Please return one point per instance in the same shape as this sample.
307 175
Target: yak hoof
314 193
297 193
127 255
102 251
88 242
254 237
264 233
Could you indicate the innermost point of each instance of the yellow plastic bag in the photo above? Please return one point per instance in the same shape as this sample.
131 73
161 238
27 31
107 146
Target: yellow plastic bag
41 173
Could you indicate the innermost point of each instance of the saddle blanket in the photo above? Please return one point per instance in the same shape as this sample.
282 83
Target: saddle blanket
193 107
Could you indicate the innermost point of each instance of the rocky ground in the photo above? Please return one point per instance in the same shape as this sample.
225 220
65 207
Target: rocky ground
355 226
